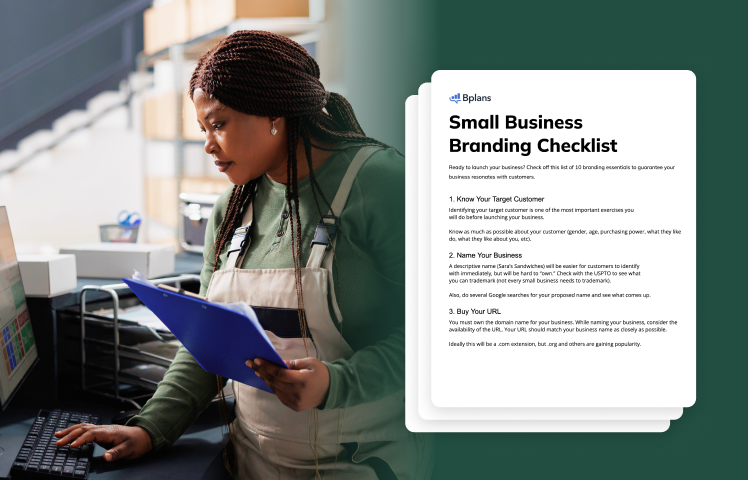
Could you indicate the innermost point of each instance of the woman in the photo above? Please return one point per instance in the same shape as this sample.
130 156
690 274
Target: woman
295 154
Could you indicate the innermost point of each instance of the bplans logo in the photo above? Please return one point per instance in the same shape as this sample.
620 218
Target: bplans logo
469 98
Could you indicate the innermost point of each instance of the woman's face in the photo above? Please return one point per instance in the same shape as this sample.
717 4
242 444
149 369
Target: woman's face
241 145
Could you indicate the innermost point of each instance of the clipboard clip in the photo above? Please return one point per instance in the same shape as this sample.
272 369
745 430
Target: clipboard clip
181 291
324 229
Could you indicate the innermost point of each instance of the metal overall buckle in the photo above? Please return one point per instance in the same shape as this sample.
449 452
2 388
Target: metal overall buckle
321 236
239 240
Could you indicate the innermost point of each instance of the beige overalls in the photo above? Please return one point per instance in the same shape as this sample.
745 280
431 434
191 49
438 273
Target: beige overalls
273 441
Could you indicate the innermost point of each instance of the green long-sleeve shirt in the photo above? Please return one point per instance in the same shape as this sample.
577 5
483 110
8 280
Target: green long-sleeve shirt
369 287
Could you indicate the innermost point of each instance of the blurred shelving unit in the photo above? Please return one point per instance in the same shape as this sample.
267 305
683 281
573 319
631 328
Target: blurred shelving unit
177 32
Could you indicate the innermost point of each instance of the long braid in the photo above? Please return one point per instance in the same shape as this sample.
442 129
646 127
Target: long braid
239 197
306 137
292 197
294 132
264 74
225 227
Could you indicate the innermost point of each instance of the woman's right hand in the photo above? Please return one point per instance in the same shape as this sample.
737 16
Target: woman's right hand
121 441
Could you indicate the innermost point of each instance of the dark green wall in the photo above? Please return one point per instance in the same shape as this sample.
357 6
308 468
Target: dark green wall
710 39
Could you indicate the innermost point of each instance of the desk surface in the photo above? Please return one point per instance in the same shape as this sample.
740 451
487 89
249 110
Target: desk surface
196 455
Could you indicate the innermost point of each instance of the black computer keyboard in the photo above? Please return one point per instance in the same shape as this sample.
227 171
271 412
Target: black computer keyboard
40 457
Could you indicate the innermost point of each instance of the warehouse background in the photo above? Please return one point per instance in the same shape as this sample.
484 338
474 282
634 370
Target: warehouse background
91 113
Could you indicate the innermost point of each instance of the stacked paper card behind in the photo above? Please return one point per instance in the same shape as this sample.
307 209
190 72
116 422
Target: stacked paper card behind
494 414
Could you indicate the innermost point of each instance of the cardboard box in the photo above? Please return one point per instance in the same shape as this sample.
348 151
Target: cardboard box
47 275
166 25
117 260
160 116
209 15
162 200
190 127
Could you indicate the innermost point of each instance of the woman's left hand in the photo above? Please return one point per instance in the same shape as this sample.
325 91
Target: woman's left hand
300 387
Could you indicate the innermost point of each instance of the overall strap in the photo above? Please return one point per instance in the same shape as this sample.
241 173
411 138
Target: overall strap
324 236
241 235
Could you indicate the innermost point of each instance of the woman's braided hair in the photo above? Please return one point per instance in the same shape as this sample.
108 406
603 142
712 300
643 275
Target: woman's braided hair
264 74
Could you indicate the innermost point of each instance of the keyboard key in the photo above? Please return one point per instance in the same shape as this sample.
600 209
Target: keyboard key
40 452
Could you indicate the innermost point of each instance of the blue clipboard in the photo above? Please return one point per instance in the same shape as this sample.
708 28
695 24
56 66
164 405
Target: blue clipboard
220 339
